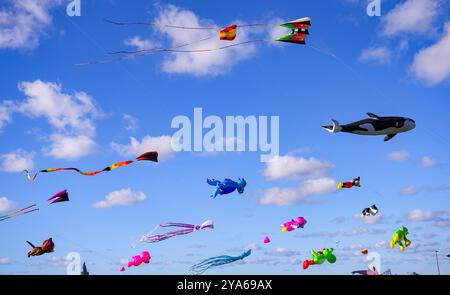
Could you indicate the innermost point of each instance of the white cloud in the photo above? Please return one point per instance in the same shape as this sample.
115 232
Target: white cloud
62 110
253 246
140 44
398 156
24 22
17 161
409 191
6 109
5 261
289 167
131 123
379 55
356 231
70 147
369 219
432 64
6 204
123 197
415 17
281 252
161 144
71 115
381 245
428 162
288 196
204 63
419 215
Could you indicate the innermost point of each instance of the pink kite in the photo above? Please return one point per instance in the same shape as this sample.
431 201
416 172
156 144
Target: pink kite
139 259
266 240
294 224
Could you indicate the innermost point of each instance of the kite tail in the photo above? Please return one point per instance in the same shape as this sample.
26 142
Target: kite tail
217 261
19 212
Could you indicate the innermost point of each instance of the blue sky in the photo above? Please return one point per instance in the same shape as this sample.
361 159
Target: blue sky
56 114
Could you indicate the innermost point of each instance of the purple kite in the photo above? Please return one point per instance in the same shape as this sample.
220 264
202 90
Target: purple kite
62 196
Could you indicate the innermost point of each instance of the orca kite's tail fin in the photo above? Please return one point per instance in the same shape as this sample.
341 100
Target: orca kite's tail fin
333 128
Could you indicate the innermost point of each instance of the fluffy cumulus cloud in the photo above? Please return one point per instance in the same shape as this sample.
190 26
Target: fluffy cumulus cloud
162 144
428 162
198 64
288 196
414 190
369 219
5 261
419 215
70 114
416 17
6 204
378 55
432 64
289 167
398 156
123 197
24 22
17 161
139 44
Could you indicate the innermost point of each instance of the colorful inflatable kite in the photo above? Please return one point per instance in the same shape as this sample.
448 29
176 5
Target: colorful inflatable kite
294 224
228 33
398 237
62 196
266 240
184 230
300 30
227 186
20 212
217 261
350 184
139 259
370 211
319 257
149 156
364 251
47 247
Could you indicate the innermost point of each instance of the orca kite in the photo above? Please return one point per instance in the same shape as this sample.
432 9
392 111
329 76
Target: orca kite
375 125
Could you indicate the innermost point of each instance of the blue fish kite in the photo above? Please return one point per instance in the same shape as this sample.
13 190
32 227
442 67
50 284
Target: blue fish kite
227 186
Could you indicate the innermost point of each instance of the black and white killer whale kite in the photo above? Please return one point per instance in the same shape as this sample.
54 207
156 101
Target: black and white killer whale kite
375 125
370 211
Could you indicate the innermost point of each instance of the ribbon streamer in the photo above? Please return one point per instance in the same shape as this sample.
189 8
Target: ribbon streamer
19 212
149 156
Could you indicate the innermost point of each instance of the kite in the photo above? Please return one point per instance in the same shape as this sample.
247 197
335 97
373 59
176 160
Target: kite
266 240
370 211
227 186
398 237
228 33
47 247
299 32
319 257
350 184
364 251
20 212
294 224
122 268
62 196
149 156
217 261
299 27
184 230
138 260
375 125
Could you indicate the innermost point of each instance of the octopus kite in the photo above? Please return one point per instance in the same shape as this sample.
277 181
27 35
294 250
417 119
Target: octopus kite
227 186
184 230
319 257
294 224
350 184
149 156
398 237
217 261
47 247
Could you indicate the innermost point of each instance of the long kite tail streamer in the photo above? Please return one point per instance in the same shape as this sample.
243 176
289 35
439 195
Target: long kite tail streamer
217 261
179 26
20 212
149 156
184 230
